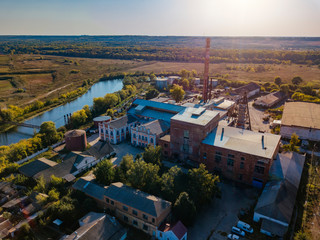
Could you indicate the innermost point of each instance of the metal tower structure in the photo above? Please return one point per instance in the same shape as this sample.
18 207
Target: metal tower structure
206 72
243 113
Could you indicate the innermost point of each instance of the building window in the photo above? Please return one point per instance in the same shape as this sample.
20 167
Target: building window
185 147
134 212
242 159
259 169
204 155
117 132
134 135
165 145
145 227
125 208
106 131
145 216
142 138
151 140
112 202
134 222
153 220
260 162
241 165
107 200
186 133
125 218
218 157
139 136
230 161
111 133
240 177
165 153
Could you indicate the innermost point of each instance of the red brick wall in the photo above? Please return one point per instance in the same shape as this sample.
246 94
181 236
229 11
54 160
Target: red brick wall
197 134
207 156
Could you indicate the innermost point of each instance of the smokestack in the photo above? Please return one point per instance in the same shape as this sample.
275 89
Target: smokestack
206 72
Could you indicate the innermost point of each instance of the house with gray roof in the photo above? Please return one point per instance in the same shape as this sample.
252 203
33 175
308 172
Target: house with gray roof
98 226
36 166
132 206
276 203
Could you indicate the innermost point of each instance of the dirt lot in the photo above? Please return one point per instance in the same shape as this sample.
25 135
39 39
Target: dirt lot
216 220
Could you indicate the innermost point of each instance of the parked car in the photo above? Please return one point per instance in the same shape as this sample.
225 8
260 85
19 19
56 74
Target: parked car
238 231
245 227
233 236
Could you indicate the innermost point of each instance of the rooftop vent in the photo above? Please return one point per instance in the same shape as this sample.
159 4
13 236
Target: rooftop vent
222 132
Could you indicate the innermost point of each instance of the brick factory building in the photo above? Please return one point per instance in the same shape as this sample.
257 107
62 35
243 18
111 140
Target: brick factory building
189 128
240 155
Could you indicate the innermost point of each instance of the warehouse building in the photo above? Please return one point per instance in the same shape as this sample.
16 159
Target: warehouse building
302 118
270 100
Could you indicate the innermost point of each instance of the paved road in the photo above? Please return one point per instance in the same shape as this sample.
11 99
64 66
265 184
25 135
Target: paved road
215 221
256 119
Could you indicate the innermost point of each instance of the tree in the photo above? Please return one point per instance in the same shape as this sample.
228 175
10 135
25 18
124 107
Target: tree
87 111
41 185
79 118
185 84
301 235
49 134
152 155
152 76
293 145
121 171
105 172
184 209
144 176
177 93
296 80
170 183
277 80
285 89
152 93
203 185
53 194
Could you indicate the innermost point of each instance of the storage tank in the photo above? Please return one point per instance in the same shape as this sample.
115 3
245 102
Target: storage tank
76 140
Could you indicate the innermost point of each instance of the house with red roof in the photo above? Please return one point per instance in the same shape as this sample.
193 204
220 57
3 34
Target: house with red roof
175 231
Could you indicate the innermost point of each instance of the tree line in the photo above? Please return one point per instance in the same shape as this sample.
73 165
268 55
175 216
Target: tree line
163 52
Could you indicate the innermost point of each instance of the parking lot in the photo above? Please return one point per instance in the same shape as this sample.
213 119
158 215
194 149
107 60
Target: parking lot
215 221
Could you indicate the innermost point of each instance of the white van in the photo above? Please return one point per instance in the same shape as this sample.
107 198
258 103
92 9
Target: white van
245 227
238 231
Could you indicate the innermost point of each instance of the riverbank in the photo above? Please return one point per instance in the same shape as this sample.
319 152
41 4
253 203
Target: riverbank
33 114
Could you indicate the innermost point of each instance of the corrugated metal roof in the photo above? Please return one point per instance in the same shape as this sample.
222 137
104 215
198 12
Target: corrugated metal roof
245 141
301 114
159 105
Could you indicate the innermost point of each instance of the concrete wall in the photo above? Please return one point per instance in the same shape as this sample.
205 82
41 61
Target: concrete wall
303 133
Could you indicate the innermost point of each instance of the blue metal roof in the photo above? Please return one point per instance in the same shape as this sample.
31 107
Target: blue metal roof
153 114
159 105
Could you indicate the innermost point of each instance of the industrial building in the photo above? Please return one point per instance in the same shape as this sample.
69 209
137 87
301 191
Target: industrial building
275 206
240 155
76 140
302 118
270 100
250 90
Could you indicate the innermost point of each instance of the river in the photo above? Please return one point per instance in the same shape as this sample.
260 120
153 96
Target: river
56 115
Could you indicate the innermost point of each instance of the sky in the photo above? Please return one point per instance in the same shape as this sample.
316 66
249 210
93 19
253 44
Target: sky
161 17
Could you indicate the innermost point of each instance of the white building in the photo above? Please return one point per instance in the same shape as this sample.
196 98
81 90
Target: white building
301 118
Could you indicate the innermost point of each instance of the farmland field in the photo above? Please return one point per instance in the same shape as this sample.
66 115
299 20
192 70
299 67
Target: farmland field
40 75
